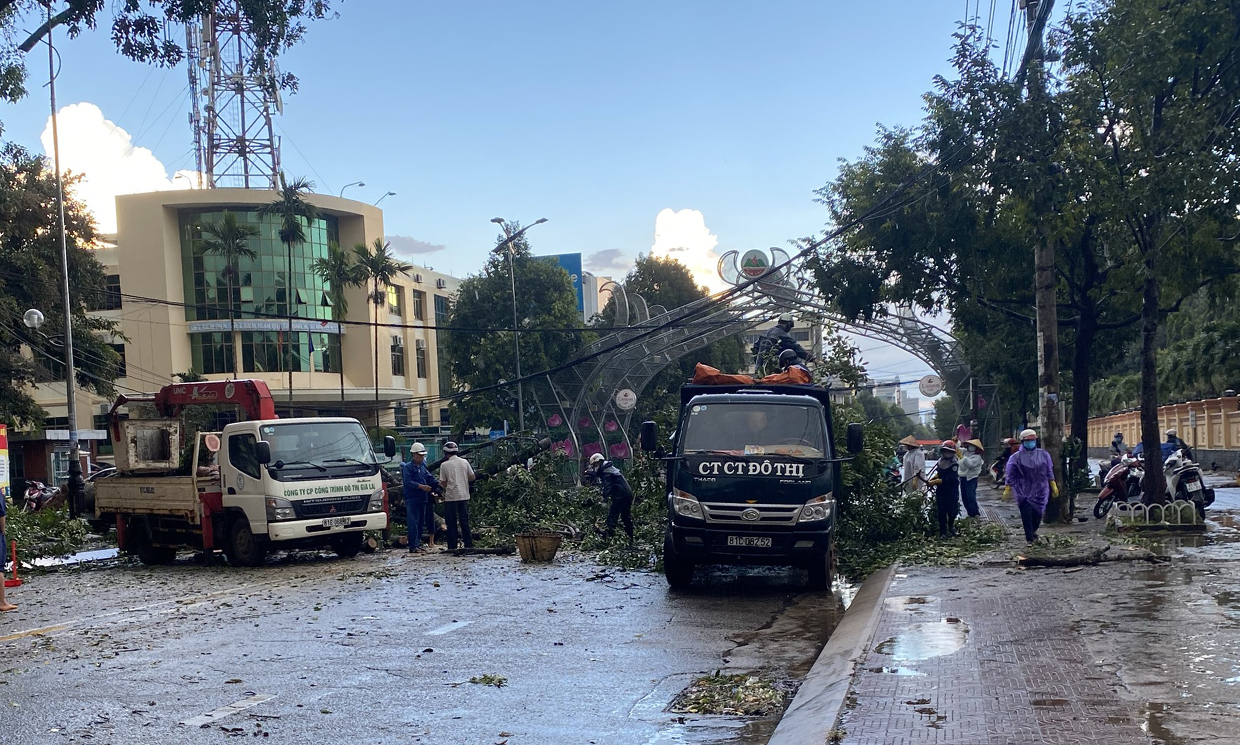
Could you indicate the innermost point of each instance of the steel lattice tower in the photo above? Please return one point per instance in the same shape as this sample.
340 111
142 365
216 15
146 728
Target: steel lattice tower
235 93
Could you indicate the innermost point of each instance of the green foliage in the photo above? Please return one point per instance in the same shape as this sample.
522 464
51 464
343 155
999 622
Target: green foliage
43 534
546 304
946 416
741 694
30 270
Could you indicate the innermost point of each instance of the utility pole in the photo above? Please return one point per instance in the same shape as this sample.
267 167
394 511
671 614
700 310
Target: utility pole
508 243
1044 281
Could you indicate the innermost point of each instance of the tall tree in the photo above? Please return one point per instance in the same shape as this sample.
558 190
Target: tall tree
29 255
549 333
379 266
339 272
1152 87
230 238
295 215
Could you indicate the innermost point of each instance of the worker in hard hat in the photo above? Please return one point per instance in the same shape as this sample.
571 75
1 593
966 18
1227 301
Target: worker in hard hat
779 338
616 491
417 484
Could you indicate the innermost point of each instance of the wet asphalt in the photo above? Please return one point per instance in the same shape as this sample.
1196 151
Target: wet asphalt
381 649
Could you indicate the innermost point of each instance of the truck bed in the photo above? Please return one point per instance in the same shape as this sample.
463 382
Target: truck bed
174 496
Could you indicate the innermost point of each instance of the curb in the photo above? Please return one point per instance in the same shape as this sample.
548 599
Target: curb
815 710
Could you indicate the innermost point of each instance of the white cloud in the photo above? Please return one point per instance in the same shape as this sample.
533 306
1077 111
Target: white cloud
408 245
684 236
104 156
609 260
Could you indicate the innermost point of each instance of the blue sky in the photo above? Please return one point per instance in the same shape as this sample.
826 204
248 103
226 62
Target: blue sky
596 116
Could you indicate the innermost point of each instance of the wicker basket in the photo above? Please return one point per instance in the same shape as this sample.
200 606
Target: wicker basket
538 545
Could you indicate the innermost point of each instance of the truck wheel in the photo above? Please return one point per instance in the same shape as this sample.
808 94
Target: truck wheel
348 545
153 555
243 548
677 569
821 571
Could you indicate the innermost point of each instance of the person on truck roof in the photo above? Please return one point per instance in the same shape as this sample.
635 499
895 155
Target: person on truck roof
417 484
777 339
789 359
615 490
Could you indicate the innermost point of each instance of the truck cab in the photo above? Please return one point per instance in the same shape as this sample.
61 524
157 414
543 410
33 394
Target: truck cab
752 479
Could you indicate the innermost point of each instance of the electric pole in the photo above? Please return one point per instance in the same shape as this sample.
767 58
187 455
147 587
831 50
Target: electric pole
1037 12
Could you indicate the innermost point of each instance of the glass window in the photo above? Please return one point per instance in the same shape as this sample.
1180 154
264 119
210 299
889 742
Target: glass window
307 448
444 419
419 305
110 297
243 454
121 370
402 416
325 349
398 356
755 429
60 467
259 285
419 354
441 310
801 334
265 351
212 353
424 415
396 301
441 360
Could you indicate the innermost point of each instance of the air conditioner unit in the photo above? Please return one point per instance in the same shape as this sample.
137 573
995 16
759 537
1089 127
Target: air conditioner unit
417 278
441 283
420 343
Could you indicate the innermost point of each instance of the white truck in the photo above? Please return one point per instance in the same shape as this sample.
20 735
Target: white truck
258 485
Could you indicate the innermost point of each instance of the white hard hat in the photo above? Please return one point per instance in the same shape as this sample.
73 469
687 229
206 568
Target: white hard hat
596 458
1170 433
785 317
451 447
416 448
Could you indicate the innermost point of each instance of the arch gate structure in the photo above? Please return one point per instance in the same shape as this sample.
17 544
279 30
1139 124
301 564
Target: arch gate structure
588 407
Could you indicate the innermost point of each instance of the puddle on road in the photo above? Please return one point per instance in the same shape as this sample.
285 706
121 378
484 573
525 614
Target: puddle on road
905 671
921 641
1152 724
78 558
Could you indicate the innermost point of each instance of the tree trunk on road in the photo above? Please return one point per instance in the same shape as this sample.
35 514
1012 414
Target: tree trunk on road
1048 369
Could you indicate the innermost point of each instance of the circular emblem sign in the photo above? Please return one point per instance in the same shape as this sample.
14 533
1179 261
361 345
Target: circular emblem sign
754 263
626 399
750 514
229 390
930 386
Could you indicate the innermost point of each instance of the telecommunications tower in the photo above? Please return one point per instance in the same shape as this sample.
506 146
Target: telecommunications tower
233 86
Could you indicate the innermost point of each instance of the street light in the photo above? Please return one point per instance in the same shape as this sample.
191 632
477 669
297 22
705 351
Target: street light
509 237
355 183
385 196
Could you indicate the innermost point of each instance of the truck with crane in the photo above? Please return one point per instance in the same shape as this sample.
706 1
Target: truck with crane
258 485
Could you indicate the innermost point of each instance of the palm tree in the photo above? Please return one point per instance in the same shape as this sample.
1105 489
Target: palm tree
230 238
292 208
379 267
338 271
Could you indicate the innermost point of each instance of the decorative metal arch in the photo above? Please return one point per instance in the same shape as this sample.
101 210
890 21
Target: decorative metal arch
579 404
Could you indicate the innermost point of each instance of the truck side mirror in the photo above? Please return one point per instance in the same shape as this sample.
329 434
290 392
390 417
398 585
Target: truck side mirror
262 451
389 447
649 437
855 438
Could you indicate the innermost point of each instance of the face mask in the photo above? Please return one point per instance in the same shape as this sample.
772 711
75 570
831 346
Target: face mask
1029 444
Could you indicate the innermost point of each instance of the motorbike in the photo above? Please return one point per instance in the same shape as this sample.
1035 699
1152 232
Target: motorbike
39 495
1122 481
1186 483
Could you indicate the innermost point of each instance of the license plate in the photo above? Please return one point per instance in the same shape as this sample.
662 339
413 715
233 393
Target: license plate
336 522
1193 486
749 541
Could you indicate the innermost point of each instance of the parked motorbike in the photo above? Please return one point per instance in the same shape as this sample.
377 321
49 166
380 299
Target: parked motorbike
1122 481
996 470
1186 483
39 495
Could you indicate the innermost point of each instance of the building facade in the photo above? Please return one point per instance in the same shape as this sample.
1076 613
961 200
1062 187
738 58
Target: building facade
181 308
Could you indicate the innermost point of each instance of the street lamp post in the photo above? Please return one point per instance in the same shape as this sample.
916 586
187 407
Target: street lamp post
385 196
76 482
507 243
355 183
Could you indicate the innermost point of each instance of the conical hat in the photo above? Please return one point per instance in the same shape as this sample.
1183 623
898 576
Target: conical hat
977 444
910 441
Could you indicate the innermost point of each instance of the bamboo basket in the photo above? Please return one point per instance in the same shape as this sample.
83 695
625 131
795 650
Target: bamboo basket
538 545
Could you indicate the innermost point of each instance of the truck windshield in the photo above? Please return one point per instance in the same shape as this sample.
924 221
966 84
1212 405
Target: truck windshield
755 429
317 446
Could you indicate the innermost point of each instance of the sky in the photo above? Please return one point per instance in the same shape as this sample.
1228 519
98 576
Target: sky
680 128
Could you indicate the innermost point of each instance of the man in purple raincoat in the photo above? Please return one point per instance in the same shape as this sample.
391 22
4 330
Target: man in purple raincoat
1031 474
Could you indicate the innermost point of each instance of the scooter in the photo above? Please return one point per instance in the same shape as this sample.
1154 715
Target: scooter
1186 483
38 495
1122 482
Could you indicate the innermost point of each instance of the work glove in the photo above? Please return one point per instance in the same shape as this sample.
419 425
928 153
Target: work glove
1007 494
1055 488
935 482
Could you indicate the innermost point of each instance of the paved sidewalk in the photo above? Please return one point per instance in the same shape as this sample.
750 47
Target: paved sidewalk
976 656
